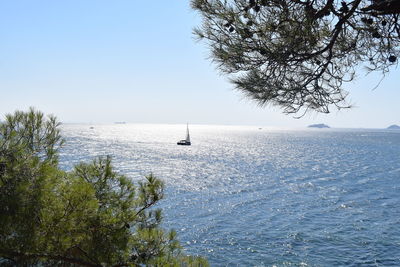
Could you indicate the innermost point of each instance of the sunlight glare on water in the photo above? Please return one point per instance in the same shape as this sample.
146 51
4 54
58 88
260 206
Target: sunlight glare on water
243 196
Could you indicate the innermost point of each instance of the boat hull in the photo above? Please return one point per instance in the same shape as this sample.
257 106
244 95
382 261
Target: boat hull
183 143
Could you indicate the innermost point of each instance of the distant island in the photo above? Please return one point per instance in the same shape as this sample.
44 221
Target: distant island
320 125
394 127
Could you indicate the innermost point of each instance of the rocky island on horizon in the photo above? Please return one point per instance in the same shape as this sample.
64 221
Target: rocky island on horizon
319 125
393 127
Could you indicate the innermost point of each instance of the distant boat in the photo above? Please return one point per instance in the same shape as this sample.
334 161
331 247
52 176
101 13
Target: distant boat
185 142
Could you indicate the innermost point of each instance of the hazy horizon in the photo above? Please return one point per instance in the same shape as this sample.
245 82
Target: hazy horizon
263 127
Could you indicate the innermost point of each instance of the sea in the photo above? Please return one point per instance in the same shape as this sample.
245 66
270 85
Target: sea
251 196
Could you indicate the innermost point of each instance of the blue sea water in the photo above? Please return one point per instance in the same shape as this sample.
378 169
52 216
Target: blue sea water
241 196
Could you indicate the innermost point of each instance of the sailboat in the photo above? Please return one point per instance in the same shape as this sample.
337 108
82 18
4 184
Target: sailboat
185 142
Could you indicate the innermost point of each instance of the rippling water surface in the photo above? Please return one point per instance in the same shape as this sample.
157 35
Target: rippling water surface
242 196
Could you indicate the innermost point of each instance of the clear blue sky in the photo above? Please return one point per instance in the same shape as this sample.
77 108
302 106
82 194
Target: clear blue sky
101 61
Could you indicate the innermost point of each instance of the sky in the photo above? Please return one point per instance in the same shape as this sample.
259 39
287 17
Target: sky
101 61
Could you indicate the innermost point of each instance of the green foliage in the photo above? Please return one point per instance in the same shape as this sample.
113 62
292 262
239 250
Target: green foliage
297 54
91 216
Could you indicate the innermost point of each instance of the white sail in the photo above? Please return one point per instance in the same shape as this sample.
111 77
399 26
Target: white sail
187 133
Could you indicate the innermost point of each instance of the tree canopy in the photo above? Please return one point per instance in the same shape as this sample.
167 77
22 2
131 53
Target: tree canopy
297 54
90 216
